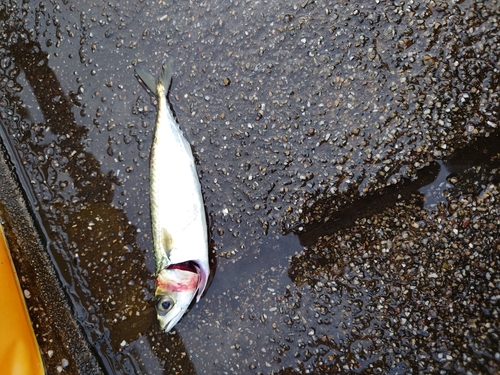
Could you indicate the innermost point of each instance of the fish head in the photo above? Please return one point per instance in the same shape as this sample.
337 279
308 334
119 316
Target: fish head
175 290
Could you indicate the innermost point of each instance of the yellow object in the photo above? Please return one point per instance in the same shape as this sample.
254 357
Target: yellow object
19 352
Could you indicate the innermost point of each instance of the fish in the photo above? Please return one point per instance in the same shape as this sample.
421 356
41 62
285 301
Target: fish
178 218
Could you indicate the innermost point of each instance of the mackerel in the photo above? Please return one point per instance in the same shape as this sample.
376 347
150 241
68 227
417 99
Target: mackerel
177 212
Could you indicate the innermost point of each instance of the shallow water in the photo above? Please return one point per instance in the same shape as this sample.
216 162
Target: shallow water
296 114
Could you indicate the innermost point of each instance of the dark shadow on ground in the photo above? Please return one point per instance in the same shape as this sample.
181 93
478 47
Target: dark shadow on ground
323 217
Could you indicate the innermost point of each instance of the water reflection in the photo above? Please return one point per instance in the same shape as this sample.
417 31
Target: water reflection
434 192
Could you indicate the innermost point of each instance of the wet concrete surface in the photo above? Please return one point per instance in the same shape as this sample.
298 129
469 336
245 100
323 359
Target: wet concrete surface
324 132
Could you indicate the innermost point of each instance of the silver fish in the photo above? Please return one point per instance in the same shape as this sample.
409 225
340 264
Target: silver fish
177 212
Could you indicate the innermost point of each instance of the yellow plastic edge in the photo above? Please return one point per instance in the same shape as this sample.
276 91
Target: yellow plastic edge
19 351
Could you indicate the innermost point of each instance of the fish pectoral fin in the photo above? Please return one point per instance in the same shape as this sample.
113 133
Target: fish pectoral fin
167 242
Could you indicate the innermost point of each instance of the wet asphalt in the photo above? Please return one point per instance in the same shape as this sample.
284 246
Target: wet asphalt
349 159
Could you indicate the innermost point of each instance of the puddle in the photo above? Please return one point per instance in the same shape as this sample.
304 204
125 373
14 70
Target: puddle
465 162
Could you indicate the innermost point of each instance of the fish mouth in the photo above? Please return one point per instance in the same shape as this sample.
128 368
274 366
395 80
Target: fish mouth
190 266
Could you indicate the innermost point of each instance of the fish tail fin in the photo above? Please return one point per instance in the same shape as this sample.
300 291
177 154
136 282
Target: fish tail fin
147 79
166 73
164 79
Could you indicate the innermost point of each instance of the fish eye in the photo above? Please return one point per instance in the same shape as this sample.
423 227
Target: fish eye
164 305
